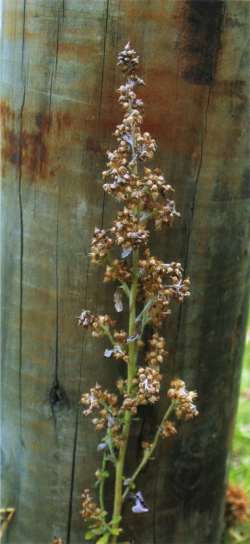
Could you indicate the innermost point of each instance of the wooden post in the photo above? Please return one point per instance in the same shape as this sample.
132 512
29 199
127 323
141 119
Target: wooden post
58 112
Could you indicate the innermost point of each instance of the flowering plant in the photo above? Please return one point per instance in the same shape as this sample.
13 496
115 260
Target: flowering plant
149 286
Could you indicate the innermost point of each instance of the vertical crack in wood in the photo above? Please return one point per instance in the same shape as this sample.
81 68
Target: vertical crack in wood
101 92
50 97
23 37
60 14
103 59
20 203
194 198
72 478
193 204
57 295
57 41
56 394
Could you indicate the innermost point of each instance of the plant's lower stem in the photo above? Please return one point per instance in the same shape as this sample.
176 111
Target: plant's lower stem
149 451
132 362
119 475
102 482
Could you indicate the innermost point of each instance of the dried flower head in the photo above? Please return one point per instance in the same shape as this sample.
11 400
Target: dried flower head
128 59
237 506
101 401
117 271
90 510
168 429
100 245
98 324
129 232
149 383
184 406
157 352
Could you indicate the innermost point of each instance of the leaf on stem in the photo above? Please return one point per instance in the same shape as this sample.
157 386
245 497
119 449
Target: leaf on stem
118 300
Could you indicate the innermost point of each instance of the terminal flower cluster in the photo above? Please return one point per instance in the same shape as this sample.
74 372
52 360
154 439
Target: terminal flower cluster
145 290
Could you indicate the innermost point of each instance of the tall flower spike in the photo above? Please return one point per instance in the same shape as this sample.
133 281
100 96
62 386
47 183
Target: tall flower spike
145 289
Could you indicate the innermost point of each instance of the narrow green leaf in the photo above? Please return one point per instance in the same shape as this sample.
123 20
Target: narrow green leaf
103 540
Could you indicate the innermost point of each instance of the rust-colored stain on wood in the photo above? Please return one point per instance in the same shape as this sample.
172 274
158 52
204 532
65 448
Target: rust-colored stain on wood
32 149
27 149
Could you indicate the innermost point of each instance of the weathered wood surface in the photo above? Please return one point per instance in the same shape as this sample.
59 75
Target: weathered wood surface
58 112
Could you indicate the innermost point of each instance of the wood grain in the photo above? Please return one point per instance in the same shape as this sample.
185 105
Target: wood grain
58 112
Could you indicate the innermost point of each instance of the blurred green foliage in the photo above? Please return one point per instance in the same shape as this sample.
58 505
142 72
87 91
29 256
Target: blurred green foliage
239 473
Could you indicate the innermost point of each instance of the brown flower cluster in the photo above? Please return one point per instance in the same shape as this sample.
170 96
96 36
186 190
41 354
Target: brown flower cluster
153 274
129 404
90 510
120 337
105 405
168 429
146 389
97 399
184 406
118 173
236 507
149 383
100 245
156 353
128 59
162 283
120 349
129 232
57 540
98 324
117 271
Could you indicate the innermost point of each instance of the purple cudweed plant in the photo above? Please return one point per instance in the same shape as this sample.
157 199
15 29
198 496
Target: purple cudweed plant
145 287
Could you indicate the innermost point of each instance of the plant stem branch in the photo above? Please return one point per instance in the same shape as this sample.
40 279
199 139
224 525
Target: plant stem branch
148 452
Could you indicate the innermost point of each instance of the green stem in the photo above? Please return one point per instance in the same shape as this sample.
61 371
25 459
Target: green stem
102 482
108 334
149 451
132 360
111 449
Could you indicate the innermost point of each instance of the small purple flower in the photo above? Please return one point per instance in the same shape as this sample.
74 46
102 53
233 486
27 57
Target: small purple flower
108 353
132 338
101 446
139 506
